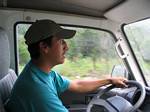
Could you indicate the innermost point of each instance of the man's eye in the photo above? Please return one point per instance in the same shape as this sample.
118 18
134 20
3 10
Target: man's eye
62 41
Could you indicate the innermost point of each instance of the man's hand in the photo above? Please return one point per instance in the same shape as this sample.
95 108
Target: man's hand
118 81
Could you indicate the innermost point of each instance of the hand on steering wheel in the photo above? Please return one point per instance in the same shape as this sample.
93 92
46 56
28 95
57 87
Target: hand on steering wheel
118 82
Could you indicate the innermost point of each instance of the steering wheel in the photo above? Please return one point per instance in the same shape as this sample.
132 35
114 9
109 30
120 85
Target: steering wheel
117 103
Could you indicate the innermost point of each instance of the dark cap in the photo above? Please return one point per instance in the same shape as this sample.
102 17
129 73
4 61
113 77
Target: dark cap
42 29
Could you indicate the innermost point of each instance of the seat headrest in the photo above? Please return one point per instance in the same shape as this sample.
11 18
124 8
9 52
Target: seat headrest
4 53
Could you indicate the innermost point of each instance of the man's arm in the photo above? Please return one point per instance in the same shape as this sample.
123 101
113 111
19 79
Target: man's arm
91 85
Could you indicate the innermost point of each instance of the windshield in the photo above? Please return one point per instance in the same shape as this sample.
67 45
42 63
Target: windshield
138 34
91 53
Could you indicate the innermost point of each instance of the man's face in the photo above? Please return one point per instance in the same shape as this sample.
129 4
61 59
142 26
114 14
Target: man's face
56 52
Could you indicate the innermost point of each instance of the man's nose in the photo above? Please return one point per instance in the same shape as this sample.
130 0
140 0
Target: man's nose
66 47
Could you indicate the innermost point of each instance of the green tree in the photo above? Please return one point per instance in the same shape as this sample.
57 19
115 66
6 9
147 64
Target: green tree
89 45
23 52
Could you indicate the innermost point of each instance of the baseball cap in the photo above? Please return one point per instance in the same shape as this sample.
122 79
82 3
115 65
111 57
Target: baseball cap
42 29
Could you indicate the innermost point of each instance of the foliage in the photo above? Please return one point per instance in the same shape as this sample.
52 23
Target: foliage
23 52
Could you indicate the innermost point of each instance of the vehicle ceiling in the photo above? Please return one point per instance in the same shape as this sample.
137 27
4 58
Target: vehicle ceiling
118 10
95 8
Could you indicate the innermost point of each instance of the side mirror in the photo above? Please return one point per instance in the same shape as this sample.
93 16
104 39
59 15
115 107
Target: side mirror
119 71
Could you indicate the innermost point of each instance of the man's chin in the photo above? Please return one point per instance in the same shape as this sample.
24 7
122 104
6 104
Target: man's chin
62 61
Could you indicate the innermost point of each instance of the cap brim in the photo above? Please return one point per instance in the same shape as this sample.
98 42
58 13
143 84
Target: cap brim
66 33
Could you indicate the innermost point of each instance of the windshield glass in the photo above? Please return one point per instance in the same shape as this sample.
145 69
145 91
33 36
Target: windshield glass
138 34
91 53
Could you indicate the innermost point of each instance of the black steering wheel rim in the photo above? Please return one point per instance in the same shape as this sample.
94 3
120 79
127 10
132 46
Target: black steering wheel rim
130 82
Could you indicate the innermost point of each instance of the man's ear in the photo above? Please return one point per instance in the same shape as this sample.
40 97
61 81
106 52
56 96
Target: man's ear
43 47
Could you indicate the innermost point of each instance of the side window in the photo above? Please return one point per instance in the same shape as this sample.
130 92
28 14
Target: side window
138 36
91 53
23 55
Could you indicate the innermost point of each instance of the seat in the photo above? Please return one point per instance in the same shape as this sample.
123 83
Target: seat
7 75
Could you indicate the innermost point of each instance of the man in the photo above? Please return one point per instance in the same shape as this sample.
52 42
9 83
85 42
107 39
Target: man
38 87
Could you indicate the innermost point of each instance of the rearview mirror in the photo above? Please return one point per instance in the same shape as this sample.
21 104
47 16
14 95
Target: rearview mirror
119 71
